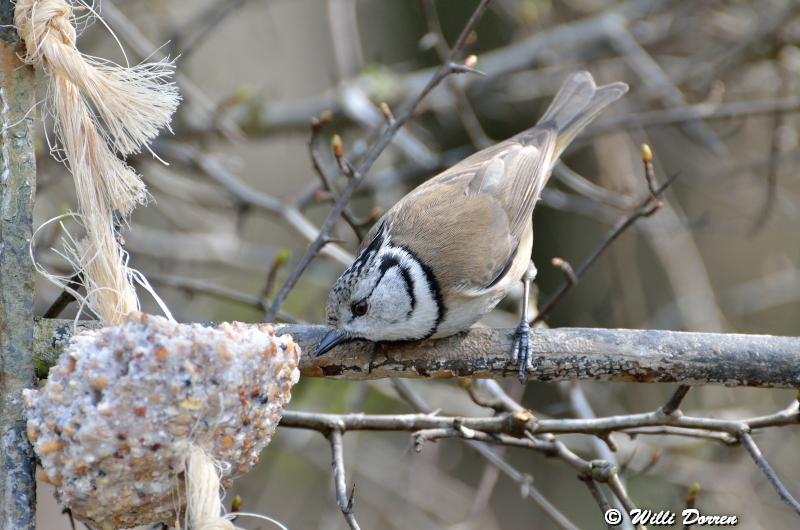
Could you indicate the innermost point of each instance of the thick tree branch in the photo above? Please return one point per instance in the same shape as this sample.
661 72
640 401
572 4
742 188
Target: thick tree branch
646 356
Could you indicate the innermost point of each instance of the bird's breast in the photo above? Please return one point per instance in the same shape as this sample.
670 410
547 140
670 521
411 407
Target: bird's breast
465 308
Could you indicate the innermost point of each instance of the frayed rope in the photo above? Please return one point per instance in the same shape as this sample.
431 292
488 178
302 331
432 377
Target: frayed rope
203 505
101 111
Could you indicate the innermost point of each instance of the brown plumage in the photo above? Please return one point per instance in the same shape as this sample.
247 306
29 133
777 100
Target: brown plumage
474 201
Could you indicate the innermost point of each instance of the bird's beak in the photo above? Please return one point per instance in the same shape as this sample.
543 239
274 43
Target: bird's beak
331 339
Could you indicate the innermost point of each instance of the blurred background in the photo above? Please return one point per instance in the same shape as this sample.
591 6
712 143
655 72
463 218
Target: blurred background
714 91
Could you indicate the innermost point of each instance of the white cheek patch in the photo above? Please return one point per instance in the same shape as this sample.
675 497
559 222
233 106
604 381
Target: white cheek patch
424 315
390 301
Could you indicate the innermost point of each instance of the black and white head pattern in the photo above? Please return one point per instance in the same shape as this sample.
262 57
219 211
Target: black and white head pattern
387 294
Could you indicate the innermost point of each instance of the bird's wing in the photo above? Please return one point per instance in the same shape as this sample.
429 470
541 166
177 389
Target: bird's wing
465 239
524 171
468 221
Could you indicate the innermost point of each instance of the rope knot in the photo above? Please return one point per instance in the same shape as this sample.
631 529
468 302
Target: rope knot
41 20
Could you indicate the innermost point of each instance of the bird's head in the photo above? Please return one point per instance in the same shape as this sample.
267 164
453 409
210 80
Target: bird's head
387 294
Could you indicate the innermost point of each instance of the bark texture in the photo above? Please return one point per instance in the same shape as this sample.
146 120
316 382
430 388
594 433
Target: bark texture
17 187
562 354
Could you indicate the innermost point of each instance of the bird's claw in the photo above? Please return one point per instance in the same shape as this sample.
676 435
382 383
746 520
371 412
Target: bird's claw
521 351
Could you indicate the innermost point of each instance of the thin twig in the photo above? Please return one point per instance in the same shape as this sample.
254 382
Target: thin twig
773 167
588 471
566 269
722 437
597 494
620 493
203 107
201 26
525 482
245 193
674 402
583 186
65 297
194 286
483 496
574 36
707 111
506 428
494 458
344 500
652 75
197 285
317 126
464 110
517 424
70 517
647 207
772 476
360 173
272 275
604 445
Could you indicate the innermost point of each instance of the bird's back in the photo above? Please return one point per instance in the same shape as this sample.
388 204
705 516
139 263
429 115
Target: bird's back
469 223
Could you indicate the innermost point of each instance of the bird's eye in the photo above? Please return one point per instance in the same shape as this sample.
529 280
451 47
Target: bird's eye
359 308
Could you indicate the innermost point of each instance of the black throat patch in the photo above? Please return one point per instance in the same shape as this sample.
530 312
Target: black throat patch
433 287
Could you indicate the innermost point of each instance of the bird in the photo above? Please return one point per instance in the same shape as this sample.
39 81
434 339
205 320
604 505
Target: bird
451 249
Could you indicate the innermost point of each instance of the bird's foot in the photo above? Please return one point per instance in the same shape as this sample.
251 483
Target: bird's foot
521 350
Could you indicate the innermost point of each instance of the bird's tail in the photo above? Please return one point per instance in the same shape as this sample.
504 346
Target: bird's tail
577 103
